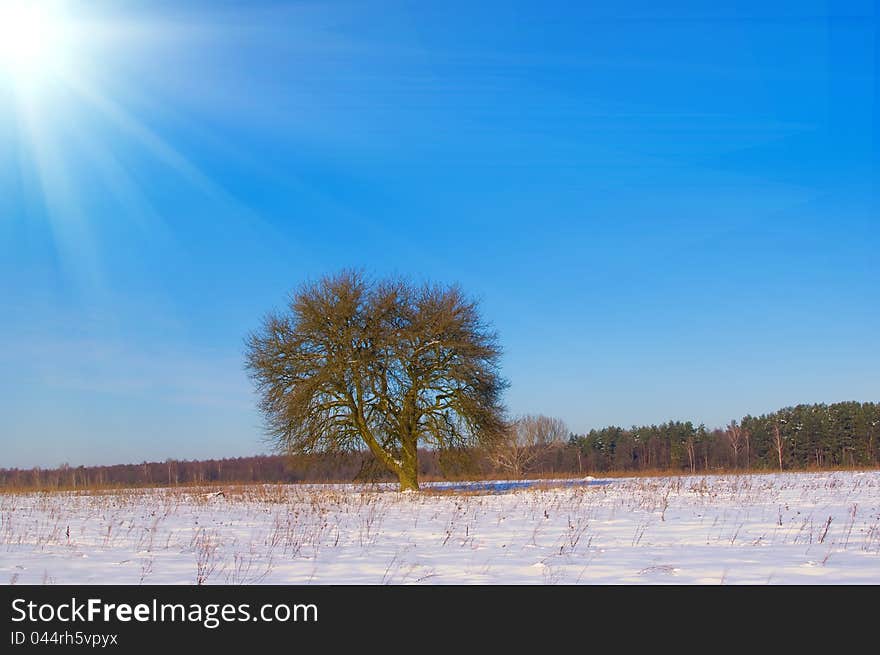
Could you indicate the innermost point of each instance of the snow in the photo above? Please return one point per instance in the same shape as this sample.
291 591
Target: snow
509 485
795 528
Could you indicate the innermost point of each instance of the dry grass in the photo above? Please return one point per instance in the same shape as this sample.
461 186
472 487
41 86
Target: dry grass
242 534
475 477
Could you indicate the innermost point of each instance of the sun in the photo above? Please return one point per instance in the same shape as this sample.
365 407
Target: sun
33 36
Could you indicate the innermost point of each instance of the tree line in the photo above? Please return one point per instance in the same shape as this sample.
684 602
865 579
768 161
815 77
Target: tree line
288 469
172 472
804 436
801 437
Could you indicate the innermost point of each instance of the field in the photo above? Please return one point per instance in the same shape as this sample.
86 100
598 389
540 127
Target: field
797 528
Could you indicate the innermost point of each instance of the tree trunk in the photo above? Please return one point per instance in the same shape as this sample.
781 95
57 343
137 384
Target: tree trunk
409 479
409 471
778 443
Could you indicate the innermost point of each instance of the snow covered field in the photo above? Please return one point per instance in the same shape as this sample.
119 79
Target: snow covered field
753 529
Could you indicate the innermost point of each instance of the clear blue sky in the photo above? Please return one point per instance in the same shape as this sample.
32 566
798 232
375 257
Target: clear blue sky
669 210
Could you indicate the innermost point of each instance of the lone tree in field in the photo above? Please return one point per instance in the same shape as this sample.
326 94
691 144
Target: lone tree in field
387 365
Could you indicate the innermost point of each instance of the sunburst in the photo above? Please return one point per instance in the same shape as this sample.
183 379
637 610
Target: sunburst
34 39
57 101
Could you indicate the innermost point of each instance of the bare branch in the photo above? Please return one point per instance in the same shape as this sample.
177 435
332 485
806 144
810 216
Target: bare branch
385 365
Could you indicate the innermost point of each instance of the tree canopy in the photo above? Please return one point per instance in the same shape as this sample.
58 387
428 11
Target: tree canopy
385 365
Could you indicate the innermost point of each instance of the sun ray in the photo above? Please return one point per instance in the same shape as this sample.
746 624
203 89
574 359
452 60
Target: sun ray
73 238
78 121
146 137
44 65
114 178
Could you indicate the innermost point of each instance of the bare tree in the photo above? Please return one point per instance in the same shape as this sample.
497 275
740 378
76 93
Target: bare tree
355 363
527 440
778 442
734 434
691 446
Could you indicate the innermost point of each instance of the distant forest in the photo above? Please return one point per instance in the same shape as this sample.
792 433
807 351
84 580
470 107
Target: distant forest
802 437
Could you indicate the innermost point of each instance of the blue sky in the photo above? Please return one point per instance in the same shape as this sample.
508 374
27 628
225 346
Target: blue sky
668 210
